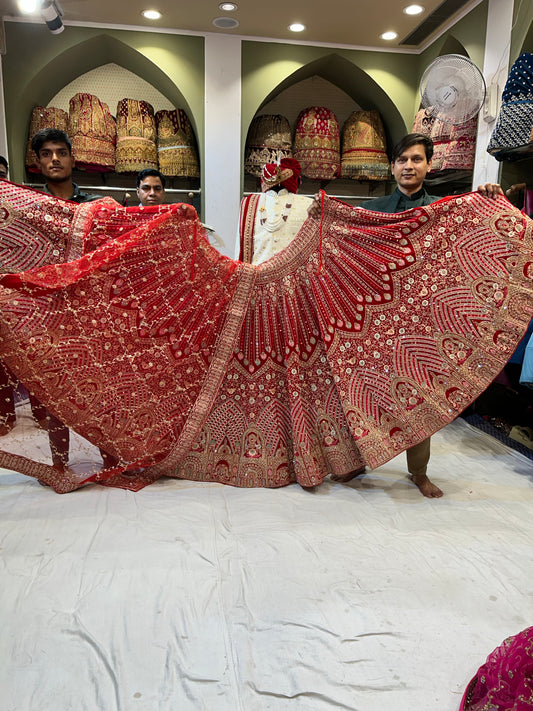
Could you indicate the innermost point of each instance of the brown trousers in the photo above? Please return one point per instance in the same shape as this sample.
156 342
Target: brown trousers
418 457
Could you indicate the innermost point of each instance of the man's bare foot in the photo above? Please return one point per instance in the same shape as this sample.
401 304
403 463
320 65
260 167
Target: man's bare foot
426 487
343 478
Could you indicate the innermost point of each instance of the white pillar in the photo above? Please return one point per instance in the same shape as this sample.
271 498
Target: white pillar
495 71
222 170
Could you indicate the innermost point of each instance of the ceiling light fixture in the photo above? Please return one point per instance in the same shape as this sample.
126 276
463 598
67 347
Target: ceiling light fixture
413 9
389 35
151 14
51 13
227 6
27 6
225 23
296 27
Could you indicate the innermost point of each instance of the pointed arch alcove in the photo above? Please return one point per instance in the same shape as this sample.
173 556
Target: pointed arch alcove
453 46
345 79
44 74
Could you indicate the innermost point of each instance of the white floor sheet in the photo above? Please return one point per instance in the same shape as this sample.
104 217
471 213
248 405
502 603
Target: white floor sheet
192 597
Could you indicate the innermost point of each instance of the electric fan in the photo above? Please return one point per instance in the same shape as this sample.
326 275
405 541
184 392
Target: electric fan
452 89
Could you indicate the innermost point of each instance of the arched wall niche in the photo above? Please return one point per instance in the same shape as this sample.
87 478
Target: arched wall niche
73 61
353 81
453 46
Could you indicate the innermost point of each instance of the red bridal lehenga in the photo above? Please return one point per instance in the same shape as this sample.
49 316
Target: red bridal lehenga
505 681
367 334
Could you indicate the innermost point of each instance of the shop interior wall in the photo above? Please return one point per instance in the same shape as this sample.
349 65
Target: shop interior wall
522 34
466 37
384 81
38 65
380 80
520 171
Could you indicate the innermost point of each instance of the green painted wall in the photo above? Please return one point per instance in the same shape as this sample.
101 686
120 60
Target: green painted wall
38 64
380 80
522 33
468 35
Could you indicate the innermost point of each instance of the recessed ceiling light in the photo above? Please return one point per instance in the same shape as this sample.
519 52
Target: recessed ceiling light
413 10
296 27
389 35
151 14
27 6
227 6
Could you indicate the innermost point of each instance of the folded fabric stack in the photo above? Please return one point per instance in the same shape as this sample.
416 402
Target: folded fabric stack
423 122
461 149
43 117
364 147
441 137
176 144
92 131
268 140
136 136
454 145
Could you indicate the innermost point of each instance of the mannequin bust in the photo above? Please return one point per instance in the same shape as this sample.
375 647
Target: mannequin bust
271 219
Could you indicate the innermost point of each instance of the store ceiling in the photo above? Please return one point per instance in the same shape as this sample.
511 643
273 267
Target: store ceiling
345 22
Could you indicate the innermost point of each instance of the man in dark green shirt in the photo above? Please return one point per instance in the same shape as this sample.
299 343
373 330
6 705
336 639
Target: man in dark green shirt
411 162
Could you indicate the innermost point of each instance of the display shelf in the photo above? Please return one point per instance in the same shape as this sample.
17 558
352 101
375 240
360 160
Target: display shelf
449 176
122 186
346 189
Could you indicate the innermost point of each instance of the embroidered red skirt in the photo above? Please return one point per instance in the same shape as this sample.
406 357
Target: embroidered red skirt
366 335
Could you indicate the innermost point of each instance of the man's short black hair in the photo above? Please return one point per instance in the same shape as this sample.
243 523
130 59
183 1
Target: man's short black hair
413 139
3 161
150 171
55 135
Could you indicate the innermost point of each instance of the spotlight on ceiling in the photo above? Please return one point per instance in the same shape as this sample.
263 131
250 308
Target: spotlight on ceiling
389 35
28 7
227 6
413 10
151 14
51 13
296 27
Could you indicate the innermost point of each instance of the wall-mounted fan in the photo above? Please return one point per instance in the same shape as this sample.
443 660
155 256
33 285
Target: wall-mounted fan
452 89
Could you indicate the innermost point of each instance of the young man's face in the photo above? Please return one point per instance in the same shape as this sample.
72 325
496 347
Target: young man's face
151 191
410 168
55 161
3 171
